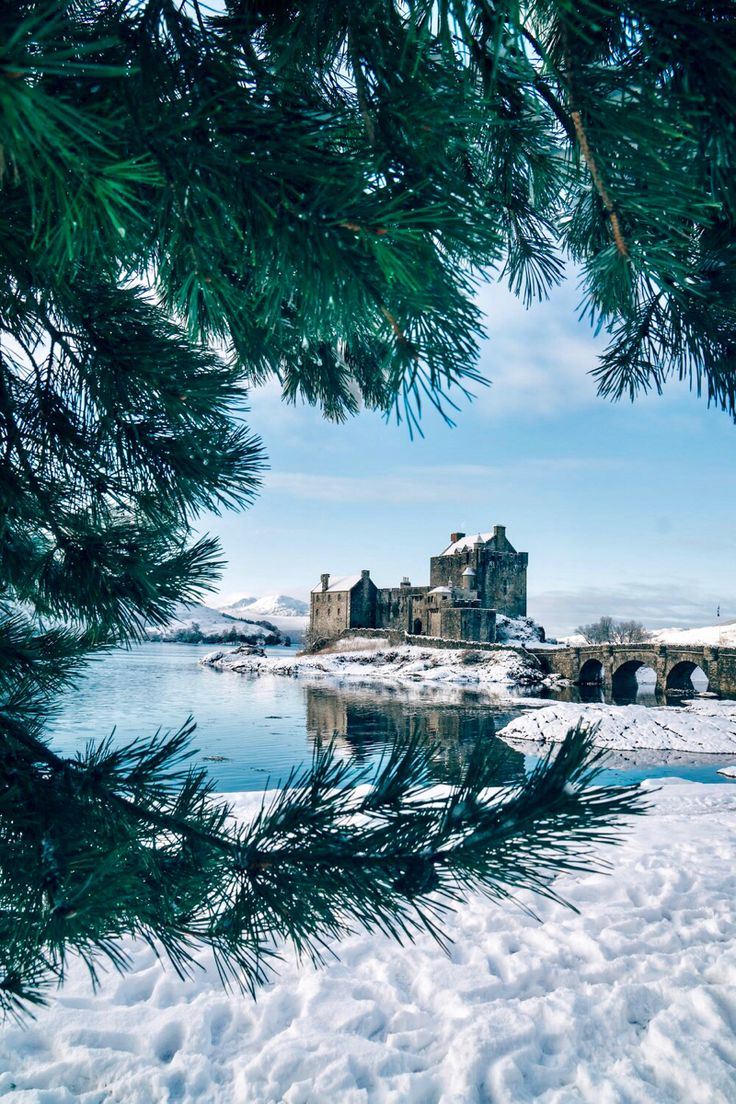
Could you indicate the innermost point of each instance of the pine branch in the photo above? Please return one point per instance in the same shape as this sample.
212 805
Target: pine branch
321 858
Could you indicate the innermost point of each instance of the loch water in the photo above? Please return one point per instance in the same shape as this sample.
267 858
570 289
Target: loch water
252 731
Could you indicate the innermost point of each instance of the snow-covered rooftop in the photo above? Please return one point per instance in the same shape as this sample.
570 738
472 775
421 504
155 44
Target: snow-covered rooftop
465 544
344 582
468 542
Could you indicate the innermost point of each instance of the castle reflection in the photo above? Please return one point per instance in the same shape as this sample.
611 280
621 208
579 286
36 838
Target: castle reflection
365 724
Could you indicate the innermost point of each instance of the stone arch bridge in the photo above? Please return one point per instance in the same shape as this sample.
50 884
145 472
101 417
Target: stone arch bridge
614 666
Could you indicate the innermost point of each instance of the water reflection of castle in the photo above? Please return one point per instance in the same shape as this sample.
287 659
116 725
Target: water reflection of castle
364 724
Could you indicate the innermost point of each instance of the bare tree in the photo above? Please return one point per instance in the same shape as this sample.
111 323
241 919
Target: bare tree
608 631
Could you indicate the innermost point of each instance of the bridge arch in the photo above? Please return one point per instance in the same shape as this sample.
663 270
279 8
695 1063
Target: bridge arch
626 678
591 673
686 677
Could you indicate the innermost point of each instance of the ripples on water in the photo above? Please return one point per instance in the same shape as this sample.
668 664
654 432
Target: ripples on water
252 731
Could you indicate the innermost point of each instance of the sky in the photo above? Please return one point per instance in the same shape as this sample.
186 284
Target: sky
624 509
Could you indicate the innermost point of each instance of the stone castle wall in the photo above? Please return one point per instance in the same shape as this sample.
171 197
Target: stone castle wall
500 577
497 583
329 614
394 606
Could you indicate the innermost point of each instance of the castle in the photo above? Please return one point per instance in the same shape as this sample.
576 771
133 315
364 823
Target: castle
470 582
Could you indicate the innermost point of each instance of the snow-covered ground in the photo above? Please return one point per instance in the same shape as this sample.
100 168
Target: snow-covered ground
289 615
366 659
212 626
519 630
723 635
703 726
631 1000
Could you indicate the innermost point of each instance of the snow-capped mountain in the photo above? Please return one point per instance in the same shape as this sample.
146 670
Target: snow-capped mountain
290 615
195 623
277 605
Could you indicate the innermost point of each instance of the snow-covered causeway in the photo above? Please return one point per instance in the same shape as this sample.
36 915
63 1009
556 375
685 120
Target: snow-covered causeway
633 1000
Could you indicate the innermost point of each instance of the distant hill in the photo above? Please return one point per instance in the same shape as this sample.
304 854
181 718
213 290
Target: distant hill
723 634
277 605
199 624
290 615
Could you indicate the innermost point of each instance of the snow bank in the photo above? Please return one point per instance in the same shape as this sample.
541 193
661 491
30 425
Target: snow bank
723 635
634 999
195 623
369 660
519 630
699 726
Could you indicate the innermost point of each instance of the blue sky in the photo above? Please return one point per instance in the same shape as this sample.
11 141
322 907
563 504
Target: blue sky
625 509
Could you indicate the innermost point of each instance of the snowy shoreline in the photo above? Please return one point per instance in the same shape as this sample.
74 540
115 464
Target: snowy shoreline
367 660
634 998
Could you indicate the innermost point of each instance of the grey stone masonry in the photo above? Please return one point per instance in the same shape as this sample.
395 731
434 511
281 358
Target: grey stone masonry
614 666
498 570
475 578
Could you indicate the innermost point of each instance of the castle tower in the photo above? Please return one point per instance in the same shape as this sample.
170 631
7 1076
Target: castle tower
500 571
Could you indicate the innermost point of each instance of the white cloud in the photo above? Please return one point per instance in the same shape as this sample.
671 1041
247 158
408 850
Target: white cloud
349 488
538 360
414 484
656 605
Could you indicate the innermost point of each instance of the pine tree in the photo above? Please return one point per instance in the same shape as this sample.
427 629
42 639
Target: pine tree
198 198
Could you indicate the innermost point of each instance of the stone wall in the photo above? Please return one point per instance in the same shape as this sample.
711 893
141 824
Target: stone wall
329 613
394 606
454 645
363 603
469 624
501 582
500 579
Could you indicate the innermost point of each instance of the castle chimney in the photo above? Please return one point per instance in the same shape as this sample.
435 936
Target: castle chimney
405 581
365 576
325 581
499 533
456 537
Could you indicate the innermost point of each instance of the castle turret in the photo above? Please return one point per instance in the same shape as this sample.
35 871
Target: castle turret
468 578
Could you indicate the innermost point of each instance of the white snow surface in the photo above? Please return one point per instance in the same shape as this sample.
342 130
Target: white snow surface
519 630
366 659
704 726
212 624
631 1000
338 583
723 635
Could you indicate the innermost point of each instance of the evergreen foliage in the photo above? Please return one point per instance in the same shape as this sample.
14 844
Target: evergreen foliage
196 198
149 852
